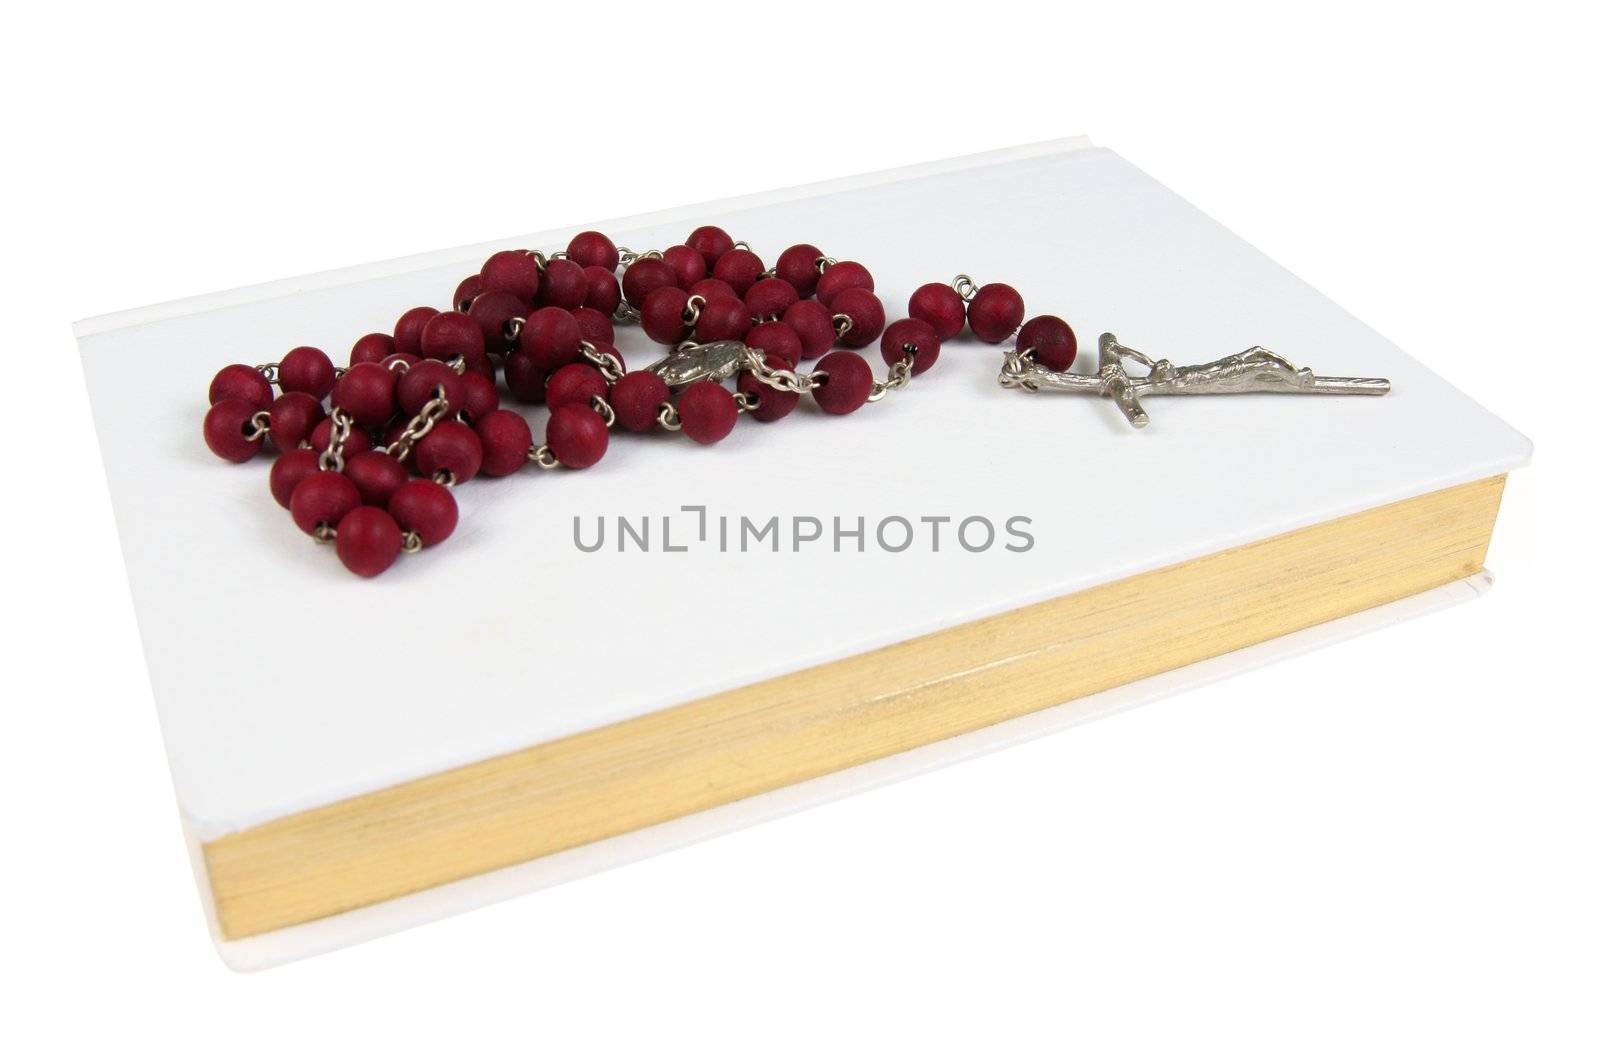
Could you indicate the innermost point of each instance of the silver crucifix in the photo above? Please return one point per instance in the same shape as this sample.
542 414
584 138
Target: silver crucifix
1256 370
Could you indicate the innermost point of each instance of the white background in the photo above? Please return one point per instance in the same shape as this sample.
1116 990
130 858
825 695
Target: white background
1386 847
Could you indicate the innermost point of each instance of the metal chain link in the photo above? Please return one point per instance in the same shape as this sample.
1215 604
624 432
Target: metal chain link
965 286
419 426
260 425
332 458
782 379
899 377
609 365
541 456
691 309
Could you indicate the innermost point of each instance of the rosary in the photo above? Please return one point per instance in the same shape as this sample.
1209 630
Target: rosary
417 412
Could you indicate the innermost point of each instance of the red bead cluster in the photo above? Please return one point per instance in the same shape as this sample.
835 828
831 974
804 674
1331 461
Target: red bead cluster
368 453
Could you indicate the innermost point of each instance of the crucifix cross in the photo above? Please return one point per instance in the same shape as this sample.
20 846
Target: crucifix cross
1256 370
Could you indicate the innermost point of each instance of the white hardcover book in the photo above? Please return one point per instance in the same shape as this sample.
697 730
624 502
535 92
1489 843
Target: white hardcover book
288 688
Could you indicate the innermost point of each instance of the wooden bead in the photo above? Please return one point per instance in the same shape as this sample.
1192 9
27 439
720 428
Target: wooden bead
322 499
516 271
293 417
506 439
939 306
712 242
1052 340
636 398
686 264
848 384
306 369
425 508
376 475
408 329
995 312
240 382
551 338
577 436
450 447
865 312
840 277
594 250
797 266
228 428
914 338
288 471
368 541
707 412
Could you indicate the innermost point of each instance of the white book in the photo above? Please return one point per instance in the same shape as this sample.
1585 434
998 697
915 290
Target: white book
285 685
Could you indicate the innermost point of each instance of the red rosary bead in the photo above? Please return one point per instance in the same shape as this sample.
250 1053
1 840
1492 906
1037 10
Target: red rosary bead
376 475
372 349
577 436
775 339
636 398
306 369
739 269
241 382
358 441
426 509
292 417
450 447
707 412
430 379
366 393
722 320
228 429
686 264
368 541
939 306
408 329
643 276
661 315
1053 342
288 471
712 242
401 362
466 291
525 379
797 266
322 499
551 337
479 396
594 326
603 293
506 439
994 312
813 323
594 250
770 297
770 404
840 277
492 311
914 338
516 271
563 285
848 385
711 289
575 384
865 313
450 335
